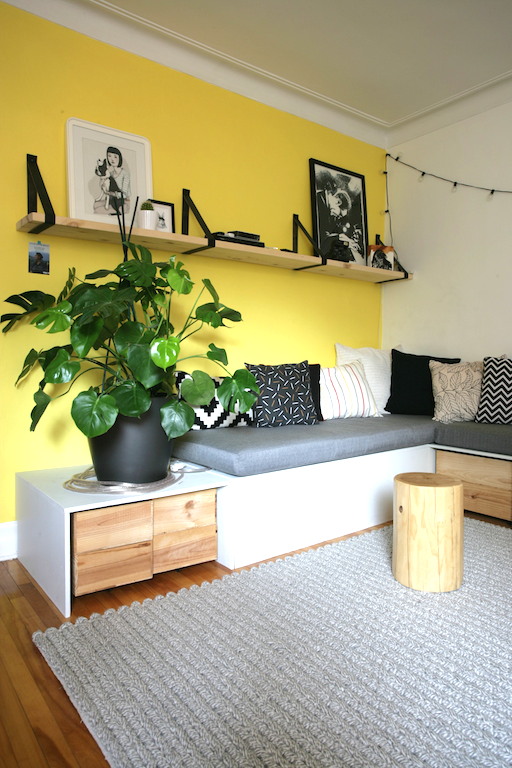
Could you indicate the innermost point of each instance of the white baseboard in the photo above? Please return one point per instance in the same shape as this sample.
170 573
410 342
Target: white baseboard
8 541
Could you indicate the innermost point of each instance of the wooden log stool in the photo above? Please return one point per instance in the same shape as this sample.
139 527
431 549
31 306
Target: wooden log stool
428 531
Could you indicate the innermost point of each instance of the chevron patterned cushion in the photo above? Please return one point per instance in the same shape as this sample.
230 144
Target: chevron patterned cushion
285 395
213 415
496 396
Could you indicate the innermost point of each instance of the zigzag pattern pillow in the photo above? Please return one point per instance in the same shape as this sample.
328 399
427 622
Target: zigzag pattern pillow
495 405
285 395
213 415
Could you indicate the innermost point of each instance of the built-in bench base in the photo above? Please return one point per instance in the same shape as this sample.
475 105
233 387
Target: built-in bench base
263 516
296 486
487 480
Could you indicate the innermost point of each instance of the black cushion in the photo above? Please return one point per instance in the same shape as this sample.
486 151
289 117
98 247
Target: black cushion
314 377
411 383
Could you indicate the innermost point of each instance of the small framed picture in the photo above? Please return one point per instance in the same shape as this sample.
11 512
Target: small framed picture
338 200
381 257
39 258
107 170
164 215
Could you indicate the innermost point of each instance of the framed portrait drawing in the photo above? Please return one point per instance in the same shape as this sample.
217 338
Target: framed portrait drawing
107 170
338 200
164 215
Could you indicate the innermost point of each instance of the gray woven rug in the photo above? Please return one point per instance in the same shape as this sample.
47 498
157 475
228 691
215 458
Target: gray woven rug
317 660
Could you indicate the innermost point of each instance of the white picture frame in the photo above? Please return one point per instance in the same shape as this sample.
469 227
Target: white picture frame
100 182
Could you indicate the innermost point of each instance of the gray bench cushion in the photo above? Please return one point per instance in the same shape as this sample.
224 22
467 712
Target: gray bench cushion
490 438
251 450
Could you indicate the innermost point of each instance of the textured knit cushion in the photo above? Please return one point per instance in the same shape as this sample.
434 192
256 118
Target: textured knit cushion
456 390
411 383
285 395
496 396
377 369
345 392
214 415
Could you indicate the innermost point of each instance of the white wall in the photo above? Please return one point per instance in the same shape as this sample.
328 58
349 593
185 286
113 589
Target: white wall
457 242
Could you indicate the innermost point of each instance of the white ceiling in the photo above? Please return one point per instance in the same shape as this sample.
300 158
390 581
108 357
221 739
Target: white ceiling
386 62
388 59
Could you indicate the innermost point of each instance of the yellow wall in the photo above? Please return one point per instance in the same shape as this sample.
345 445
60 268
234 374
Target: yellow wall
246 165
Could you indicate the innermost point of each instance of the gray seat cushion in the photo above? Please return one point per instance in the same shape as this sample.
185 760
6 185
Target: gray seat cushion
251 450
490 438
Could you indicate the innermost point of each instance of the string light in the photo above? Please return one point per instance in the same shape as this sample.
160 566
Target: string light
455 184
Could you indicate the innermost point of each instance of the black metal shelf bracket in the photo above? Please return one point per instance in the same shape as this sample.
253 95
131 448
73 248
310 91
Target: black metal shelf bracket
297 224
188 206
36 188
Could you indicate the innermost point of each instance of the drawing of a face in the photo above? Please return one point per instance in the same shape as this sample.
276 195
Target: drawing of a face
113 159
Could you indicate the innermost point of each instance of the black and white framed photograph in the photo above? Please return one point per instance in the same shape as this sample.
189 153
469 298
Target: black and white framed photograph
164 215
338 199
381 256
107 170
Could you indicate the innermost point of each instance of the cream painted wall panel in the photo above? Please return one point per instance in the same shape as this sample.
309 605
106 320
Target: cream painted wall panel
456 241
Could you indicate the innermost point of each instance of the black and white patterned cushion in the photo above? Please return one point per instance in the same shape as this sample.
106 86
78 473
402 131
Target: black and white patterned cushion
495 405
285 395
213 415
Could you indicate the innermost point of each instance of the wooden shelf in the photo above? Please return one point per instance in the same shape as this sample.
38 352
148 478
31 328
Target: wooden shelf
164 241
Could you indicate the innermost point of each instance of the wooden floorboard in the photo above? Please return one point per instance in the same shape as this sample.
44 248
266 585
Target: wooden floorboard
39 727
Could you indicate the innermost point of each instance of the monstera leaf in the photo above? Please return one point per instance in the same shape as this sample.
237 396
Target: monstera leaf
238 390
177 418
199 390
94 414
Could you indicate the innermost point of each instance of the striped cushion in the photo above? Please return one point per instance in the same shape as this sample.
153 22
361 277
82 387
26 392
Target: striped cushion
344 392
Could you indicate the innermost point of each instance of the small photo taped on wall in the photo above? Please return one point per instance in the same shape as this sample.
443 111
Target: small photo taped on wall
39 258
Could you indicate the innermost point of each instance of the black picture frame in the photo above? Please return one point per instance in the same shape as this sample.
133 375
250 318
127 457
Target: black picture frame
338 204
165 215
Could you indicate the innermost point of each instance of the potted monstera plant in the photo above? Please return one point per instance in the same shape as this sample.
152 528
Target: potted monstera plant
119 323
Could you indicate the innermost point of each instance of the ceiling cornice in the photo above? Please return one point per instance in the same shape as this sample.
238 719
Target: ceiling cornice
103 21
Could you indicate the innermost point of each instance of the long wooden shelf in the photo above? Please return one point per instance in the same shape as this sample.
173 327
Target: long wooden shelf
164 241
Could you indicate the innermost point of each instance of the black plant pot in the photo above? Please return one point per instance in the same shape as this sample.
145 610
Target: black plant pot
134 450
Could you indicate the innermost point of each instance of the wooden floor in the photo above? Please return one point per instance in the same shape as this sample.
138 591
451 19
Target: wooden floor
38 724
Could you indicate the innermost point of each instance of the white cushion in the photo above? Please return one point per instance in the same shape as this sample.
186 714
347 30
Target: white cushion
377 368
345 392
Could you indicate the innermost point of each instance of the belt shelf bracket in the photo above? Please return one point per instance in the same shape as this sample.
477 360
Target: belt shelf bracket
36 189
296 226
188 206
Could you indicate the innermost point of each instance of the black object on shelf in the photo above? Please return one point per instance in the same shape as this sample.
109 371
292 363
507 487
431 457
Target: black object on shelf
242 235
229 238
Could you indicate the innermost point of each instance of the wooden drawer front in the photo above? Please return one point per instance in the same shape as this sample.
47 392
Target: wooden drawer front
487 482
186 547
112 527
113 567
185 530
190 510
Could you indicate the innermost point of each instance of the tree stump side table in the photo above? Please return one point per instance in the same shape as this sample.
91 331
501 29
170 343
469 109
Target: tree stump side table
428 531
